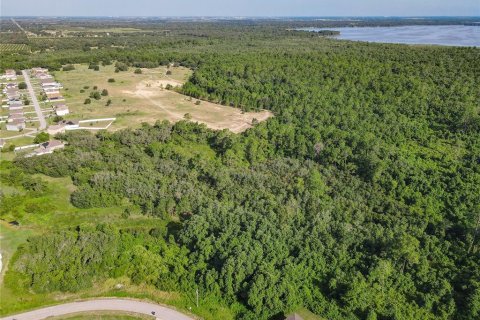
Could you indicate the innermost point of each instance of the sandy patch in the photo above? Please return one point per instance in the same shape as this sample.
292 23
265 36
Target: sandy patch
176 105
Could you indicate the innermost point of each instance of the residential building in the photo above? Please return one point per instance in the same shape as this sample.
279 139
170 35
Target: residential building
10 74
70 124
16 125
61 110
48 147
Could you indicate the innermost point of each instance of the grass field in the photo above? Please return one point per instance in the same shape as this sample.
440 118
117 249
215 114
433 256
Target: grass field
137 98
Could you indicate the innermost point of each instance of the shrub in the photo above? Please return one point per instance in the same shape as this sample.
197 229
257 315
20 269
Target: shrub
138 71
87 101
111 80
104 92
169 72
41 137
95 95
22 85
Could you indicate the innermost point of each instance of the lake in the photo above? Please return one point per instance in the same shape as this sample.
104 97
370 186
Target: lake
454 35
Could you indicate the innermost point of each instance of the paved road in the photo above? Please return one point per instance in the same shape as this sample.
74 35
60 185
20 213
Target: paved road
146 308
38 110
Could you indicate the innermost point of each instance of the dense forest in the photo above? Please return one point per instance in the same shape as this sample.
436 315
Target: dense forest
360 199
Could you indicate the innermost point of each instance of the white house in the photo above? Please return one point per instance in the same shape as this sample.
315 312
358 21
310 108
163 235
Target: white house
16 125
10 74
47 81
61 110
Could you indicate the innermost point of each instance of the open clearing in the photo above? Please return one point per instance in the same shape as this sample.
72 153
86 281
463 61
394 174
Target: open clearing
137 98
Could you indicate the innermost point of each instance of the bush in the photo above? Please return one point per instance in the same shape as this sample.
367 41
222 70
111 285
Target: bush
95 87
104 92
111 80
109 102
22 85
87 101
26 102
95 95
82 91
197 102
169 72
57 119
41 137
120 66
138 71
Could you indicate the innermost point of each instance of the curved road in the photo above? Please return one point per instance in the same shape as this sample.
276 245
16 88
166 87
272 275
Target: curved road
135 306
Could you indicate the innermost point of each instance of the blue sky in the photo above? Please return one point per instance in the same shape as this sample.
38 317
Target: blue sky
240 7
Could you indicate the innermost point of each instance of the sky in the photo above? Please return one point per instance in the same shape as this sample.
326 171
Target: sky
240 8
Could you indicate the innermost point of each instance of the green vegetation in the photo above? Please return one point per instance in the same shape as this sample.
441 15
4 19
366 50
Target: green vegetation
358 200
22 85
41 137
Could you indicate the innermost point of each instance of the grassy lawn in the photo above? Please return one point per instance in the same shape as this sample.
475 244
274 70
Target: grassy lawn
137 98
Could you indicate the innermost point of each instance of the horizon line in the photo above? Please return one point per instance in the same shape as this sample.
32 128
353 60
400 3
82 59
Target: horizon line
241 16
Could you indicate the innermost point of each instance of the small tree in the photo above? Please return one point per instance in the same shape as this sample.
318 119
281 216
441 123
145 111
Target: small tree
169 86
111 80
109 102
104 92
41 137
87 101
26 102
95 87
197 102
95 95
57 119
22 85
138 71
169 72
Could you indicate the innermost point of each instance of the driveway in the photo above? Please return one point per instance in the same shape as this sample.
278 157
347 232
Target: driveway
104 304
38 110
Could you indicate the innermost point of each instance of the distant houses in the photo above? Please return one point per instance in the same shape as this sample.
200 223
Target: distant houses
16 125
50 87
63 126
16 119
47 148
9 75
61 110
